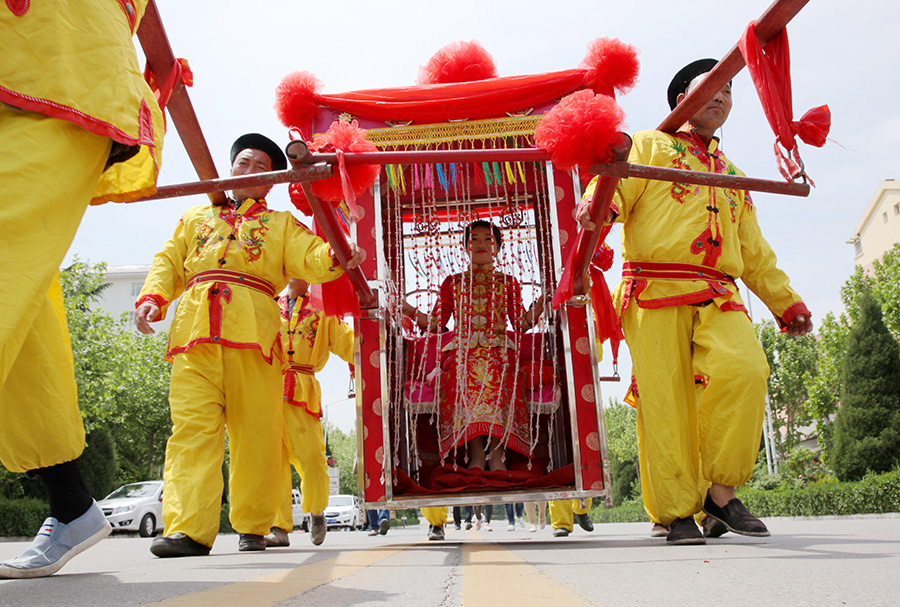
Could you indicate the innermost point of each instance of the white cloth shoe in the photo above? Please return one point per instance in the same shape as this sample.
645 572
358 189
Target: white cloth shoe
56 543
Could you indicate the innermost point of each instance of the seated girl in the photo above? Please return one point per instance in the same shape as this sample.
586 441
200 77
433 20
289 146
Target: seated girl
481 395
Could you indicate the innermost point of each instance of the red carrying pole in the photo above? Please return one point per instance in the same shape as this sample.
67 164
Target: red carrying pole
737 182
298 154
776 17
588 241
306 173
161 59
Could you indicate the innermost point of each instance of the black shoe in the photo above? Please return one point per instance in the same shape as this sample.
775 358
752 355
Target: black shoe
277 538
713 527
735 517
175 545
457 526
561 532
250 542
684 531
584 521
384 526
435 532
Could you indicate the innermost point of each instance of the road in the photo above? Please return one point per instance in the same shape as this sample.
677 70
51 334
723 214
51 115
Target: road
821 562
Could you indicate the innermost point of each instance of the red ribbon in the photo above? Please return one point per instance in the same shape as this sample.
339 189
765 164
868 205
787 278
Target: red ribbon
770 70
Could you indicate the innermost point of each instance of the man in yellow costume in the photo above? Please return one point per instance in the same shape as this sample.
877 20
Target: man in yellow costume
78 124
227 263
564 513
684 246
308 337
437 518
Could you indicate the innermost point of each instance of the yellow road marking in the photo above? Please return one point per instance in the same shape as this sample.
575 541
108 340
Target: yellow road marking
494 575
282 585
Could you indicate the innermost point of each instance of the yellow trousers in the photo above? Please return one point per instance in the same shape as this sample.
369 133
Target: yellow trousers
48 174
213 387
435 516
304 446
667 345
562 513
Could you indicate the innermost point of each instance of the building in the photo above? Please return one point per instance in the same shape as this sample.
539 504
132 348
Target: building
125 284
879 227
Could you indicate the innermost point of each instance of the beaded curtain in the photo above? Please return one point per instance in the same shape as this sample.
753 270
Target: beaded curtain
432 204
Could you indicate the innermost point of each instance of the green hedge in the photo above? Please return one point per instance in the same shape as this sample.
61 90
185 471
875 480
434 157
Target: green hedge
22 517
871 495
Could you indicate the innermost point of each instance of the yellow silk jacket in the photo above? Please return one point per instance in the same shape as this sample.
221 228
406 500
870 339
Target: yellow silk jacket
75 60
689 228
259 249
309 337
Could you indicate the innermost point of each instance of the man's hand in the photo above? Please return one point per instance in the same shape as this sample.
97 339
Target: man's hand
146 313
583 216
801 325
355 256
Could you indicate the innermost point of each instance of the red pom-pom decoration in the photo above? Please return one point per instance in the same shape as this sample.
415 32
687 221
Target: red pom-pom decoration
346 137
295 99
611 66
580 130
458 62
298 198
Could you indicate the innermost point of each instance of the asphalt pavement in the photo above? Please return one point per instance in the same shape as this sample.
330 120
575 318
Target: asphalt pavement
821 562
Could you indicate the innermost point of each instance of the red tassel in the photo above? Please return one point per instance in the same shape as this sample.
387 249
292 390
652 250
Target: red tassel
579 130
458 62
611 65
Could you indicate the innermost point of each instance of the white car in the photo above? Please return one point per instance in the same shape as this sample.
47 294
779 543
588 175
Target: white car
135 507
301 518
344 511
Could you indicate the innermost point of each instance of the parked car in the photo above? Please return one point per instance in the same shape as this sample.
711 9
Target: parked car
135 507
344 511
301 518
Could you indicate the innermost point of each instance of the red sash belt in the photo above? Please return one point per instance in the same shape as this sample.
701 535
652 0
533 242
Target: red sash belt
302 369
235 278
672 271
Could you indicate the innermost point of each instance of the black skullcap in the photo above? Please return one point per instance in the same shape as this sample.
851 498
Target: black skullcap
255 141
684 77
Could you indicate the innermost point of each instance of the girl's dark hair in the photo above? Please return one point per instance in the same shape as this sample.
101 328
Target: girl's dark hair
481 223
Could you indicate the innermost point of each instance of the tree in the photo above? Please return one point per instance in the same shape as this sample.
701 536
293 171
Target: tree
342 447
824 388
122 377
620 421
867 426
883 282
792 361
98 463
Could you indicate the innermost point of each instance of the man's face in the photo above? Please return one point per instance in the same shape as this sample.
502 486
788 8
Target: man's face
248 162
713 115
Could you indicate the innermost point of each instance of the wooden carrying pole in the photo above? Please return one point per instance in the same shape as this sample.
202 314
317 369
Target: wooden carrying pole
161 60
323 163
772 21
325 215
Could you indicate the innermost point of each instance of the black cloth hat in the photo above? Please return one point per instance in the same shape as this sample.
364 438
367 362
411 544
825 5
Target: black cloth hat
255 141
684 77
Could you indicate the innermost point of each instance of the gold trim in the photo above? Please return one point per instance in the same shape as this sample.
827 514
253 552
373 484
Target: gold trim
447 132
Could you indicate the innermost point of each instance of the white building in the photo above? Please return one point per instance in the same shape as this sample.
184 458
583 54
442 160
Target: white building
879 227
125 284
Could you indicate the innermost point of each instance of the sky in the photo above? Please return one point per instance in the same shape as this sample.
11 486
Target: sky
842 54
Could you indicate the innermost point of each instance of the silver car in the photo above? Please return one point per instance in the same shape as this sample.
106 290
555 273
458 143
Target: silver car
135 507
